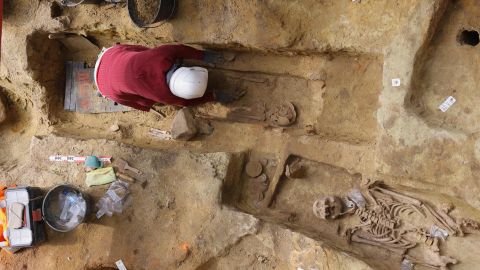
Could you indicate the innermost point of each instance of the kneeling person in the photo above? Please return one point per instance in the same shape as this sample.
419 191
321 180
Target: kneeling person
139 77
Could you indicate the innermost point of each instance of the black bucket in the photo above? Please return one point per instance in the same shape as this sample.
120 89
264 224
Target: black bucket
166 10
51 208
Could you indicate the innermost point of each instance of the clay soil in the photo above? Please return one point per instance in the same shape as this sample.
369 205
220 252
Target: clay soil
333 60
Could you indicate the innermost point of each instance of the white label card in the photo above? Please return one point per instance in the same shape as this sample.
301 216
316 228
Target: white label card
447 104
120 265
396 82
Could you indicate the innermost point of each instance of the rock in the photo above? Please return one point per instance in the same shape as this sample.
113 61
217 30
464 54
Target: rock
310 130
114 128
182 254
3 111
183 126
262 259
204 127
170 203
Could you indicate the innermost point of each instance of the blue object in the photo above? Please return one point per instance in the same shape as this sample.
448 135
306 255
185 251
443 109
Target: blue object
93 162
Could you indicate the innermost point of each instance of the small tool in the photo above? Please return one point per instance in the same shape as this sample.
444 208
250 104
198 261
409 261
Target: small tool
124 166
125 177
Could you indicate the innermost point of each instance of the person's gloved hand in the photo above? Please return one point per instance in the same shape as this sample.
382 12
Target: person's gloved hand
225 97
213 57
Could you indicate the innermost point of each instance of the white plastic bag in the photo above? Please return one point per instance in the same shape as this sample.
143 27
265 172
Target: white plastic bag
115 200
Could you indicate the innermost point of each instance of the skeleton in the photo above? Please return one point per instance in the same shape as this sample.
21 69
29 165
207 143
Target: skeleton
281 116
433 260
422 236
380 223
469 225
380 227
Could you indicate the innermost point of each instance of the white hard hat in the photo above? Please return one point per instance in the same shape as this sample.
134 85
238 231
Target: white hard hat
189 82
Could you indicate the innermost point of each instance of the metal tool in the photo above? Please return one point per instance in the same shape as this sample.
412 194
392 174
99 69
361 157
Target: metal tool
123 165
125 177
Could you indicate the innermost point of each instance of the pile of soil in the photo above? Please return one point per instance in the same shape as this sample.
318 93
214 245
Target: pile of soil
147 9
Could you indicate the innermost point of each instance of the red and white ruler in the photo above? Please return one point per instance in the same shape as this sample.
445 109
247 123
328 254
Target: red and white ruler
77 159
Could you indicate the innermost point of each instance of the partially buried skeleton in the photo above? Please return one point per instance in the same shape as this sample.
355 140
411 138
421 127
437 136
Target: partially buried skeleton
386 219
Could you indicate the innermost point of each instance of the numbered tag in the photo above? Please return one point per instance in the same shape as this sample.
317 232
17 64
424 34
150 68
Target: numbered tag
120 265
396 82
447 104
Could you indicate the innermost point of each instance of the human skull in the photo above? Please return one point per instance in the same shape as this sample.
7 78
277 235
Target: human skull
329 207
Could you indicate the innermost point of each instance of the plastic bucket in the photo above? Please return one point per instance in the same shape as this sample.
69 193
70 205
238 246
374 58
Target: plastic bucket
53 205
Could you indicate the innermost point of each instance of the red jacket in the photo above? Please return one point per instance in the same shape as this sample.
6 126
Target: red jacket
135 76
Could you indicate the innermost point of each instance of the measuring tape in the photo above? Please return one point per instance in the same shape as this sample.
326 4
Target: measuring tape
77 159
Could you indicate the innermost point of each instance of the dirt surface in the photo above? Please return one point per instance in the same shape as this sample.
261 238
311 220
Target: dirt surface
147 9
436 81
333 60
179 204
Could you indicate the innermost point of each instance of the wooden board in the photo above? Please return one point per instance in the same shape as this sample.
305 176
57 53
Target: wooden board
81 94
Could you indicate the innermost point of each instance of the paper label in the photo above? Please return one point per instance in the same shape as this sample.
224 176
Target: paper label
120 265
447 104
396 82
113 195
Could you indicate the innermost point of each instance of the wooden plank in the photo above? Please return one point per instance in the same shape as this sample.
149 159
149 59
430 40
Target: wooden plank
68 86
279 172
81 94
87 100
70 95
76 66
84 89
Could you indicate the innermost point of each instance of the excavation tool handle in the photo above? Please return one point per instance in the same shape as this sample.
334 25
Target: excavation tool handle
125 177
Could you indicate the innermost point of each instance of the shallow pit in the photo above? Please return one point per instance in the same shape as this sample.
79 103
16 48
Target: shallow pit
294 198
450 67
335 93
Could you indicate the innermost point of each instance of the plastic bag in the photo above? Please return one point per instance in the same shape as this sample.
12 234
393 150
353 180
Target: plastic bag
406 265
356 196
73 209
437 232
115 200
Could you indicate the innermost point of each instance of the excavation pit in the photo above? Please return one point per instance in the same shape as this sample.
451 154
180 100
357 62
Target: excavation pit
336 94
448 69
294 199
328 62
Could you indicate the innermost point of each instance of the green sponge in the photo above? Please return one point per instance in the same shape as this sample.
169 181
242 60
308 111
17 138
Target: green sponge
100 177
